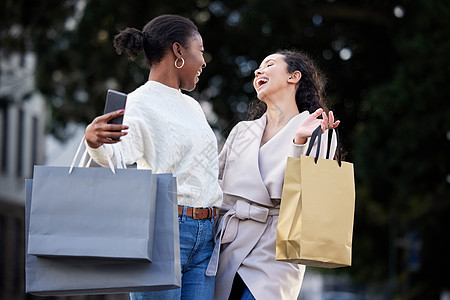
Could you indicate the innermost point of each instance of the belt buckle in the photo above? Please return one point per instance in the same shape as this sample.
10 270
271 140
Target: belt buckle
194 213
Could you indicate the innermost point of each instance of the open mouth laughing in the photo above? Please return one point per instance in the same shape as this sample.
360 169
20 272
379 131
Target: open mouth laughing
260 81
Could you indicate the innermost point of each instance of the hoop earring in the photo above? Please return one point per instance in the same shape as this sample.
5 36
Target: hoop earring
182 63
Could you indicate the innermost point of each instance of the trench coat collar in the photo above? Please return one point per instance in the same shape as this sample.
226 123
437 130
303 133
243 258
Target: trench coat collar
244 179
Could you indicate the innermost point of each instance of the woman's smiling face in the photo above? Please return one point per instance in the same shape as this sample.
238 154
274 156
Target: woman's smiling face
271 76
194 63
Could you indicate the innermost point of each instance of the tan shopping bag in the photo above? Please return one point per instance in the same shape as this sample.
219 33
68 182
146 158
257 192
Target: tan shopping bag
315 224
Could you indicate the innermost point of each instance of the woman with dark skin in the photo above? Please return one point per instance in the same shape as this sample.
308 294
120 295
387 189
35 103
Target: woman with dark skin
166 131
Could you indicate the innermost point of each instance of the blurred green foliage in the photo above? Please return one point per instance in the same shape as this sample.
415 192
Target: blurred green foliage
387 64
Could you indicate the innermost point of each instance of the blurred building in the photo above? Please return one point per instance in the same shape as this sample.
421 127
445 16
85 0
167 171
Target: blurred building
23 116
22 123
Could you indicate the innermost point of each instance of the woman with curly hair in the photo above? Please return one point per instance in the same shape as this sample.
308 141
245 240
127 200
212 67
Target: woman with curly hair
252 166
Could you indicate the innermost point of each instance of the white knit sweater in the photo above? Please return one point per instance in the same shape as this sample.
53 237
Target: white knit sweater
169 134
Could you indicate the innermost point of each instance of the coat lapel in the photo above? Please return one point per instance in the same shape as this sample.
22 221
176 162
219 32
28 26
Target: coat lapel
242 176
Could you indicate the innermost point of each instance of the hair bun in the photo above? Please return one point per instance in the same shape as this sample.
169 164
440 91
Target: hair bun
156 38
129 40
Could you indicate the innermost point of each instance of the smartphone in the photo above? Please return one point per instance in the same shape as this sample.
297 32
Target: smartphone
114 101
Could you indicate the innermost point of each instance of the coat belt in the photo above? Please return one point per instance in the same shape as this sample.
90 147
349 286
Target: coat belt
228 227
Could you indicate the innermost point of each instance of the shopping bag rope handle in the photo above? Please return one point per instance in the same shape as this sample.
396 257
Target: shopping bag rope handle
111 165
330 136
317 133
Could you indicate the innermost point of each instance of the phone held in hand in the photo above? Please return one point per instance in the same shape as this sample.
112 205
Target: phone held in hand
114 101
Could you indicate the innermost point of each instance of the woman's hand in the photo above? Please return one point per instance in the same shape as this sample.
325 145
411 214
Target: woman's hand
99 132
308 125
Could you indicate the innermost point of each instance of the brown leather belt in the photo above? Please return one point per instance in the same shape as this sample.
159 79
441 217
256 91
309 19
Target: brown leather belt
198 212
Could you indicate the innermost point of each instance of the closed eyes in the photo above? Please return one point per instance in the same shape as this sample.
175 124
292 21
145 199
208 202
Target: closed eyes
268 65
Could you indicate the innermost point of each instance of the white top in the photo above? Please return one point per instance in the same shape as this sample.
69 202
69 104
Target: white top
264 182
272 155
169 134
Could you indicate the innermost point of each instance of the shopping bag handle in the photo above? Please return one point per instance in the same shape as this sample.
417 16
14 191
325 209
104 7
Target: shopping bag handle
330 135
83 158
118 156
317 133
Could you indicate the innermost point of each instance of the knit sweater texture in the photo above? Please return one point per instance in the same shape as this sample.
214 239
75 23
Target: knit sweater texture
168 133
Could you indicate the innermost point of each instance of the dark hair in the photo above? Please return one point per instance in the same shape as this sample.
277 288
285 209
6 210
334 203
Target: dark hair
311 88
155 38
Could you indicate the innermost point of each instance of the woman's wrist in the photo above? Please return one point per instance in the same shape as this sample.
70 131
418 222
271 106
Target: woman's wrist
93 146
300 140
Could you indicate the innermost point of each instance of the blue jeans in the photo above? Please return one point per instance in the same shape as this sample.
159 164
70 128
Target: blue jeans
247 295
240 290
196 246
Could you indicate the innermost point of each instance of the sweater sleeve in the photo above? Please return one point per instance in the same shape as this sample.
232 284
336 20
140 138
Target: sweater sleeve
131 145
298 150
100 154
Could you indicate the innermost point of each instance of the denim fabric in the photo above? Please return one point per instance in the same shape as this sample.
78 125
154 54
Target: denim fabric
247 295
239 290
196 246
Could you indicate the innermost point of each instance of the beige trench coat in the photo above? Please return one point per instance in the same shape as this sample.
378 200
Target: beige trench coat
247 225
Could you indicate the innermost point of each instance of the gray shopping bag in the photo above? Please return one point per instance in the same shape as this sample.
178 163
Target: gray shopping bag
52 276
92 212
